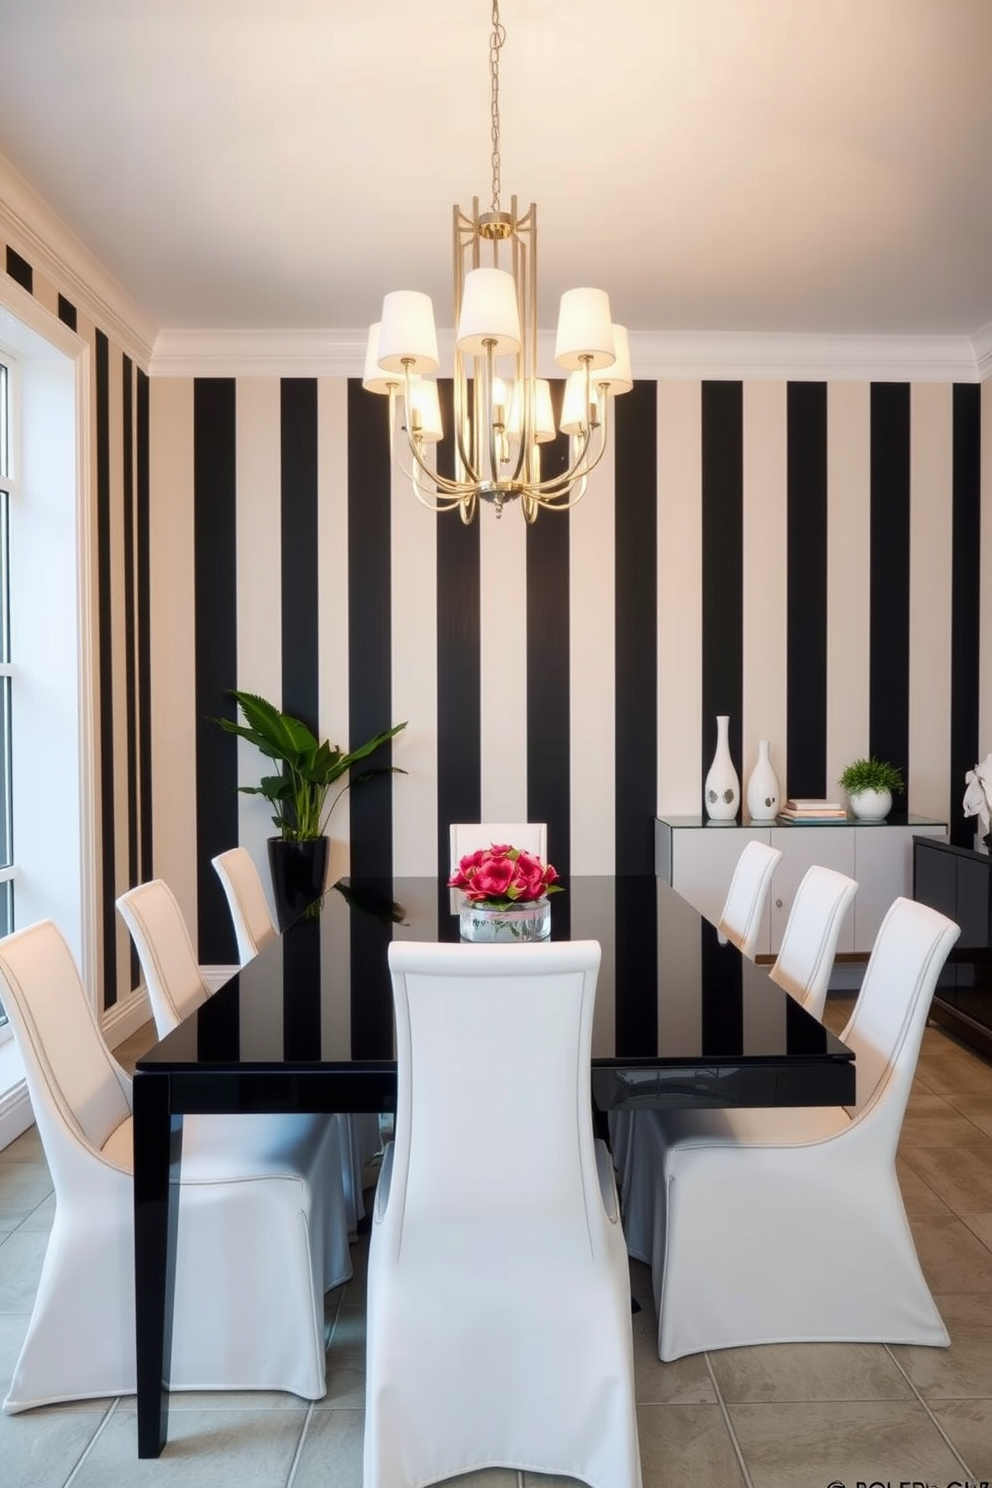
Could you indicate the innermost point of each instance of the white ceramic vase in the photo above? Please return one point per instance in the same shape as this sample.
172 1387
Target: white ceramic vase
722 791
763 788
871 805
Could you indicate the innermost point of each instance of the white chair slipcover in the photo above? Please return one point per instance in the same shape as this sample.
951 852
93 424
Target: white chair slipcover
261 1232
809 945
740 919
468 837
176 989
776 1226
479 1232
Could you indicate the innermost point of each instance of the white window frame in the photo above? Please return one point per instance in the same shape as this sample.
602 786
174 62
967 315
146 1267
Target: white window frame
8 484
52 628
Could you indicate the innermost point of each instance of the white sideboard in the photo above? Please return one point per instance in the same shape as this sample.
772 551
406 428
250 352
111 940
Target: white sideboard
697 857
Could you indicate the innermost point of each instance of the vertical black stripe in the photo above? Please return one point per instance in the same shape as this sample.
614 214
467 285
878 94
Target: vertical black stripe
143 541
108 877
722 409
130 661
806 668
888 708
965 746
459 722
215 601
67 312
298 428
549 796
369 624
20 270
636 621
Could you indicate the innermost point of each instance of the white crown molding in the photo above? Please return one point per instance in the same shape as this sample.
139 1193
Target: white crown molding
982 343
39 235
660 354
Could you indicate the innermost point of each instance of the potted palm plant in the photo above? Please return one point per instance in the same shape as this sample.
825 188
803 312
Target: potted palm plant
308 769
870 785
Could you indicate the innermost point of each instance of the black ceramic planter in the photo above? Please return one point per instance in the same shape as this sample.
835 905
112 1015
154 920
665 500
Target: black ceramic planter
299 873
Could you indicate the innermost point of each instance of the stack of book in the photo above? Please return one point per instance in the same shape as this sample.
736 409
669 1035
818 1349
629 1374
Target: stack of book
812 809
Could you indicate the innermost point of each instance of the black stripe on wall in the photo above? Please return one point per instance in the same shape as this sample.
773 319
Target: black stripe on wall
130 638
888 706
298 427
369 623
636 621
459 706
108 878
806 548
20 270
216 651
143 542
67 312
549 796
965 746
722 409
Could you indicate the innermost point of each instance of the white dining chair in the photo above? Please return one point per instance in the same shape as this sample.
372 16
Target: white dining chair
740 918
469 837
809 945
261 1232
254 927
168 962
778 1226
472 1360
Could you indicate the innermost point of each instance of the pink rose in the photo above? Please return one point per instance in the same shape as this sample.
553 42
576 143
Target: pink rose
493 878
500 849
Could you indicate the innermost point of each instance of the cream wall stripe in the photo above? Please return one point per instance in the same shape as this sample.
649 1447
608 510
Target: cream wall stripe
848 552
172 640
413 546
259 596
765 577
592 658
679 598
332 598
503 661
930 571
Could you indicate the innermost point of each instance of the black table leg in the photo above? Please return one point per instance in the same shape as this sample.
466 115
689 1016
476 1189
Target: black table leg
157 1155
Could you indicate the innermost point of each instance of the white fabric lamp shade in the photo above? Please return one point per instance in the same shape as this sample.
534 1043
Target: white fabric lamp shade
574 408
407 335
424 413
617 376
489 314
374 379
585 330
544 414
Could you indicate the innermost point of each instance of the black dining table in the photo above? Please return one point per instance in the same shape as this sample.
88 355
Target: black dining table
681 1019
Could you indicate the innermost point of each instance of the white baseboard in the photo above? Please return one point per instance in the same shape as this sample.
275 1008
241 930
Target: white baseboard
15 1107
125 1017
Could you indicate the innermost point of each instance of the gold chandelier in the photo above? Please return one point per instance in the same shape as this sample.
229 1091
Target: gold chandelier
502 409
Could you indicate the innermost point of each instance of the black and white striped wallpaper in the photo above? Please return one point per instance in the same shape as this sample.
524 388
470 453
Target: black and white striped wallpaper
801 556
119 445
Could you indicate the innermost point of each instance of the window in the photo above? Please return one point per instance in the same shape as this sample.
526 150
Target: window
7 470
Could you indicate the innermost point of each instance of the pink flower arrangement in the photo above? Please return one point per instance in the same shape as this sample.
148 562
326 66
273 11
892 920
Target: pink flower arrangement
501 876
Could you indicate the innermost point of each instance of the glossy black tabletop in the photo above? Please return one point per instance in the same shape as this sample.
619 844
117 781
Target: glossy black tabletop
680 1019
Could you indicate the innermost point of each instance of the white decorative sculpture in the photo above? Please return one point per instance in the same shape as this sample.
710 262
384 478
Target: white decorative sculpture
978 794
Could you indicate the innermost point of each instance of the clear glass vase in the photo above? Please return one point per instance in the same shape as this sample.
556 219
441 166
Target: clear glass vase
528 919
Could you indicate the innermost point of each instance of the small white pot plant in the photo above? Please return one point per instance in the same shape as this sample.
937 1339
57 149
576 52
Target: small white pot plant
870 785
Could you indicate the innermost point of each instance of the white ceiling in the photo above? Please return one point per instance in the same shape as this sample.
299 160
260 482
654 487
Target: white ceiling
718 165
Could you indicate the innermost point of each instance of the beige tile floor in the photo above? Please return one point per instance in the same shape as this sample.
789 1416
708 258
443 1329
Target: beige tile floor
773 1417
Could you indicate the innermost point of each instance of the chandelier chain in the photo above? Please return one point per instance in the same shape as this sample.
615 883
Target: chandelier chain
496 41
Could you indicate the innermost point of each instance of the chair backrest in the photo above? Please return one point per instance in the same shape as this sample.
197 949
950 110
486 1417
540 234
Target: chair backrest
168 961
468 837
493 1044
253 925
886 1027
806 957
740 920
79 1094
